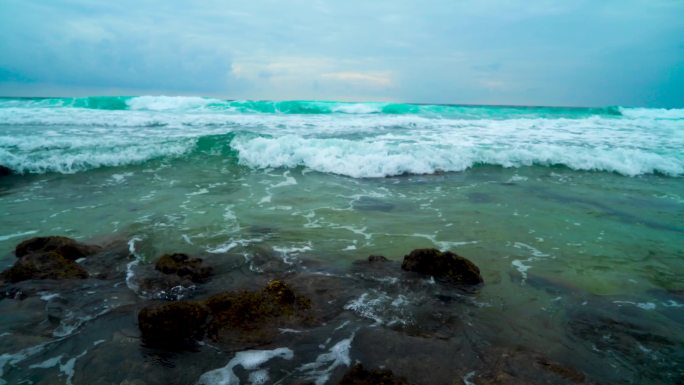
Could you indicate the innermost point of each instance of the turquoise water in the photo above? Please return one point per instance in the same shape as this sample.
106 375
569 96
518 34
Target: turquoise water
563 209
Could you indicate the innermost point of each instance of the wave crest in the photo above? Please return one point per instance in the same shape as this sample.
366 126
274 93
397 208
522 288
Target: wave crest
379 158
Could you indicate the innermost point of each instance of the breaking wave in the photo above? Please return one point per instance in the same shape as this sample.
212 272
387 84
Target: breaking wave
359 140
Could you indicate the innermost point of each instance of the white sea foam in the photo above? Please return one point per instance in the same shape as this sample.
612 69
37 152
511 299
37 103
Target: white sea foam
521 267
167 103
381 308
66 367
338 355
641 305
15 358
15 235
250 360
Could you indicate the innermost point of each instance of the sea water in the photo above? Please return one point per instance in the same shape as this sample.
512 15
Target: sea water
563 209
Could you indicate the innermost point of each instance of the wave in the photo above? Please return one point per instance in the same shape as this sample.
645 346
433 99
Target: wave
68 135
381 158
388 154
200 104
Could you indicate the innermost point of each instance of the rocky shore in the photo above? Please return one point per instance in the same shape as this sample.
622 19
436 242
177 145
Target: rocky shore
381 322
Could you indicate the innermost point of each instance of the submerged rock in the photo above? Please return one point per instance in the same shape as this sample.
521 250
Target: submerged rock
377 258
445 265
46 265
184 267
5 171
173 325
240 315
358 375
66 247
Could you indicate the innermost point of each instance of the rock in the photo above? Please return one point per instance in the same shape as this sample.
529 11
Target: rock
252 312
66 247
241 315
446 265
173 325
5 171
358 375
563 371
376 259
184 267
47 265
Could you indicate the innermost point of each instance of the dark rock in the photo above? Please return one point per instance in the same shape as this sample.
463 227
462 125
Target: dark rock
173 325
66 247
446 265
48 265
12 292
184 267
5 171
563 371
234 316
519 367
358 375
377 258
239 314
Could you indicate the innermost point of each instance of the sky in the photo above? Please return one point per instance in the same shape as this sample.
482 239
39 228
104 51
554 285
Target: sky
527 52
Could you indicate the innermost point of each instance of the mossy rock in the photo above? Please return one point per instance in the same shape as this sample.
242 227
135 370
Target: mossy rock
66 247
235 316
173 325
47 265
358 375
445 265
184 267
249 311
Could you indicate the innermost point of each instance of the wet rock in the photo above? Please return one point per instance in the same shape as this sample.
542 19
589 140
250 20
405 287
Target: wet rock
47 265
66 247
563 371
173 325
184 267
377 258
254 315
11 292
358 375
231 316
517 367
445 265
5 171
629 337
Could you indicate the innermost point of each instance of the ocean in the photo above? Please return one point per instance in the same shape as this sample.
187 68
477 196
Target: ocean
575 217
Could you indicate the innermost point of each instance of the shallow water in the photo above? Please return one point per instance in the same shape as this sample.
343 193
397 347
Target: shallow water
584 267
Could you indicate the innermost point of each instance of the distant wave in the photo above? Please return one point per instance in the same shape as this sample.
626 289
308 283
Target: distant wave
199 104
68 135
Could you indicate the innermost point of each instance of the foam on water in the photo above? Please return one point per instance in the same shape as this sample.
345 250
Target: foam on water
338 355
15 235
250 360
381 308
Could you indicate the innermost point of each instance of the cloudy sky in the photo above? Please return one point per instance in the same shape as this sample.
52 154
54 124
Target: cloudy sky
530 52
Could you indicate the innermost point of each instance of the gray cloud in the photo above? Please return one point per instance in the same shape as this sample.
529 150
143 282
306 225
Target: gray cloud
506 52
